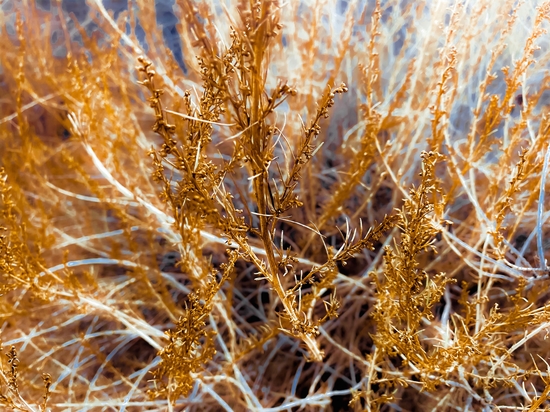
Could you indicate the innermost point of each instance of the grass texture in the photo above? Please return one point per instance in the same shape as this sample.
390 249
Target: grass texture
301 206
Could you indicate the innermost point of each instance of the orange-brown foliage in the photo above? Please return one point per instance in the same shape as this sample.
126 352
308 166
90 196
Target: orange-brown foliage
318 205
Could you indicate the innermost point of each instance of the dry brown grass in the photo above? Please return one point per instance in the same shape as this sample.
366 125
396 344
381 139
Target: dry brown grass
333 206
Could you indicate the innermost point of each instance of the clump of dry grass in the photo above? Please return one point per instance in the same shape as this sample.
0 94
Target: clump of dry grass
321 206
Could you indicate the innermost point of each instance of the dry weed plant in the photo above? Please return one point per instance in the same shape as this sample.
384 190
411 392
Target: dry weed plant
318 205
